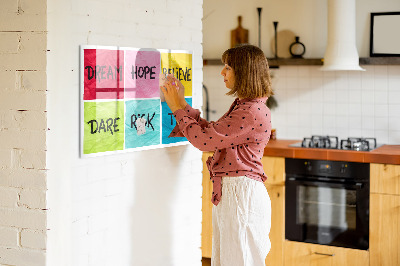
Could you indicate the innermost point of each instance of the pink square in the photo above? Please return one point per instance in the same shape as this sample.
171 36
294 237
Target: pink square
142 70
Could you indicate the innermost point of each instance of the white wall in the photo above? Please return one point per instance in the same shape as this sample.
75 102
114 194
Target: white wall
23 133
306 19
311 102
137 208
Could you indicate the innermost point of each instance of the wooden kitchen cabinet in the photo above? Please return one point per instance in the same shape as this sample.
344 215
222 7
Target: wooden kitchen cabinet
206 225
385 178
277 233
274 168
385 215
305 254
384 236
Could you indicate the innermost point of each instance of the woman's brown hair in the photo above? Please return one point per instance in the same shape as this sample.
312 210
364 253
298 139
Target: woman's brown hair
250 66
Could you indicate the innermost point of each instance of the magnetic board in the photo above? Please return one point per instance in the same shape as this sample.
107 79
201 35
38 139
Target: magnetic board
122 106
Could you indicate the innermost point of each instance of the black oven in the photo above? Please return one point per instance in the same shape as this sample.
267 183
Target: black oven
327 202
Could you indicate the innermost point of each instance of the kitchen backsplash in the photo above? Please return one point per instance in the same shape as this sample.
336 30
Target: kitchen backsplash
314 102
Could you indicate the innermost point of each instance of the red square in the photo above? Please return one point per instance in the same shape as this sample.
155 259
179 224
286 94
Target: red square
103 74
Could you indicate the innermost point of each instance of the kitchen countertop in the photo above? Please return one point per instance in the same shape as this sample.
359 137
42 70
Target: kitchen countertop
389 154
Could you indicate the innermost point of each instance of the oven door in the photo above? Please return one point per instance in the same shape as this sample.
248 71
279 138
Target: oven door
327 213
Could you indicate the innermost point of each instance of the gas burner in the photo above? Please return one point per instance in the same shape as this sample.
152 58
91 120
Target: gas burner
358 144
332 142
327 142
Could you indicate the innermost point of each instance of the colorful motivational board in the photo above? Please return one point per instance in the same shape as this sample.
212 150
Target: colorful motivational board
122 106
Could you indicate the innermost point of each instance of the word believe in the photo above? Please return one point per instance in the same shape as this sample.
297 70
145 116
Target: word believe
179 73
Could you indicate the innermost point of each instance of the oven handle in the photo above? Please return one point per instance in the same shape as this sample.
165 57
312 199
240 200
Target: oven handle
357 185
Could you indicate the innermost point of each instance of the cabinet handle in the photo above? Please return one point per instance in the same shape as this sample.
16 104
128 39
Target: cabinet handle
324 254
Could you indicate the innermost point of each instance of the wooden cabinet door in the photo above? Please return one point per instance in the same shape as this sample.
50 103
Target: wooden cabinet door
277 233
384 237
274 168
206 225
385 178
304 254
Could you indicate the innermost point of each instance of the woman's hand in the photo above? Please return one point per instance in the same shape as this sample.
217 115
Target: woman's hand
181 91
174 93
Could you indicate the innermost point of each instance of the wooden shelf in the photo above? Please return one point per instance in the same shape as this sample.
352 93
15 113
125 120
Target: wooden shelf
274 63
380 61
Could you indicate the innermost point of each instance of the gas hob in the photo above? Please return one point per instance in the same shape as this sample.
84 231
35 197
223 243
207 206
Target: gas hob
332 142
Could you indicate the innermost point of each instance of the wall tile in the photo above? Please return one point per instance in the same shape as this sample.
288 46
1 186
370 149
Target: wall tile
381 110
292 82
366 100
367 110
381 136
342 96
394 110
394 97
381 83
394 137
367 96
394 82
381 97
355 96
291 71
368 123
380 71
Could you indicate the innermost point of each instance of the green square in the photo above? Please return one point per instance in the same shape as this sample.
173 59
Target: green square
103 126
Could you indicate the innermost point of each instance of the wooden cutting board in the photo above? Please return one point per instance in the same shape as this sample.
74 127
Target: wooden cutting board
239 35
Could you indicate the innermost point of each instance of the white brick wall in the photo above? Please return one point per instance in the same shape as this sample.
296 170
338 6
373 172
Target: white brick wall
137 208
112 210
23 132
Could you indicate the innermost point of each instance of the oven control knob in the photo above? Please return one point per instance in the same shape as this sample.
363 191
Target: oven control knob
308 166
343 168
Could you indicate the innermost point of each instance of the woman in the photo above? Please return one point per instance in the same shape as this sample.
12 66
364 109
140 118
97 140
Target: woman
242 211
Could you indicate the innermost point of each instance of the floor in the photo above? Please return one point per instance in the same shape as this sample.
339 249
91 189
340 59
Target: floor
206 261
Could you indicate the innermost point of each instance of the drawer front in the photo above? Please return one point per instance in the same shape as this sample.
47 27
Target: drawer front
297 253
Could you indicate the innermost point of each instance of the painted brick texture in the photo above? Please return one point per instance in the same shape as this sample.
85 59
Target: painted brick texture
23 125
114 210
137 208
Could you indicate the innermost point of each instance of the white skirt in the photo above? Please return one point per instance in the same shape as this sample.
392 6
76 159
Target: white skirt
241 223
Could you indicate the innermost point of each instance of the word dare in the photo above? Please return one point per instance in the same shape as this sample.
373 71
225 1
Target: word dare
110 125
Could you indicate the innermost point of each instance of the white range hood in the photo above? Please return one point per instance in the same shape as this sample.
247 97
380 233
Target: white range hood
341 51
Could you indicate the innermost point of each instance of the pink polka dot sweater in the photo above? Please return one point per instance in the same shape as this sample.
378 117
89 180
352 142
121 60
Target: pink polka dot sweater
238 139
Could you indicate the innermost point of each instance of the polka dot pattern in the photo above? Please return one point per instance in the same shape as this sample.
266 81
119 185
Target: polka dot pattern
238 139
